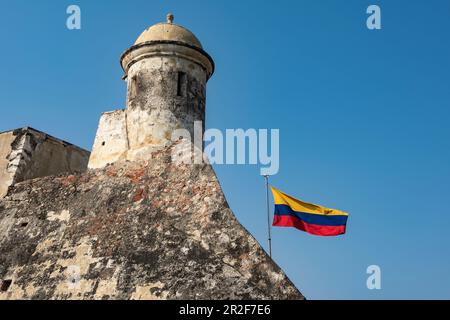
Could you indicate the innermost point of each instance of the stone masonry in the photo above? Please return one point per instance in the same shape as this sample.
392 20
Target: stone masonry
27 153
132 230
166 71
137 225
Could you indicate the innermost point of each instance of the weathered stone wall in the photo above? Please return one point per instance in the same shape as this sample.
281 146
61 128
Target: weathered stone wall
133 230
6 176
111 140
164 94
28 154
166 90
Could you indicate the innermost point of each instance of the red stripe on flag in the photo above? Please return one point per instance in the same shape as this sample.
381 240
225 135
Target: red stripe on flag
290 221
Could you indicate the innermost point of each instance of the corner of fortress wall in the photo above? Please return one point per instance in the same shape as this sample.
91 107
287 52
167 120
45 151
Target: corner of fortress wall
111 142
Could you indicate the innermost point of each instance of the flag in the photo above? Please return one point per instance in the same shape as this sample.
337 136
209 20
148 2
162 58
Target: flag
308 217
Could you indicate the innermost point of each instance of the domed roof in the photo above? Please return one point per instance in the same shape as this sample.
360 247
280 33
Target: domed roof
169 32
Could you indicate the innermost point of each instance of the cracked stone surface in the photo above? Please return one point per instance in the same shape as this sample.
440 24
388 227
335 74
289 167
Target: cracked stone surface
132 230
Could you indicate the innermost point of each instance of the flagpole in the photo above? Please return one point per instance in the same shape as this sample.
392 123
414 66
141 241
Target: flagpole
266 177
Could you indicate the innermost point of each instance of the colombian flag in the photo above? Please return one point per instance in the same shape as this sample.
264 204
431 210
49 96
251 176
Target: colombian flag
308 217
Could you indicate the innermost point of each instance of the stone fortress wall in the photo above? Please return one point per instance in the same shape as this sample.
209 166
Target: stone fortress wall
27 153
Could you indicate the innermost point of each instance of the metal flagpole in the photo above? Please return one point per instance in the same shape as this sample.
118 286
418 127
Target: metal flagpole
266 177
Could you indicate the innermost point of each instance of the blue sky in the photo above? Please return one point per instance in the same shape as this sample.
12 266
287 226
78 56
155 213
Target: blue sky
363 117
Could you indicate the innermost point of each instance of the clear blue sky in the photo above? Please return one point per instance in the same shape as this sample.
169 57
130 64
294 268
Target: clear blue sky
363 117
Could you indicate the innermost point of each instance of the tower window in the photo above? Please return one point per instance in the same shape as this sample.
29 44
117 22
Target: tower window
5 285
181 85
132 87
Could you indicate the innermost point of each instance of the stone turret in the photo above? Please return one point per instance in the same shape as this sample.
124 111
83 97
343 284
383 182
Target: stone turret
166 72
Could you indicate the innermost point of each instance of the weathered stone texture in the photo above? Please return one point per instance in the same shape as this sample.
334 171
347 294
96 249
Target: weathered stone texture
164 94
111 142
6 176
133 230
27 153
166 72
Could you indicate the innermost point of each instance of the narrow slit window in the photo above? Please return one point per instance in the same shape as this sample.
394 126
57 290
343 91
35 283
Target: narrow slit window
133 87
5 285
181 84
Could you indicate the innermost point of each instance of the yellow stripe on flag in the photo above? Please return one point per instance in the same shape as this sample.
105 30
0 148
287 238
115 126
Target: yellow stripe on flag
300 206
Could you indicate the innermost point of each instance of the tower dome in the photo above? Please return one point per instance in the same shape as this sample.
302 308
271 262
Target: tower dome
167 38
168 32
